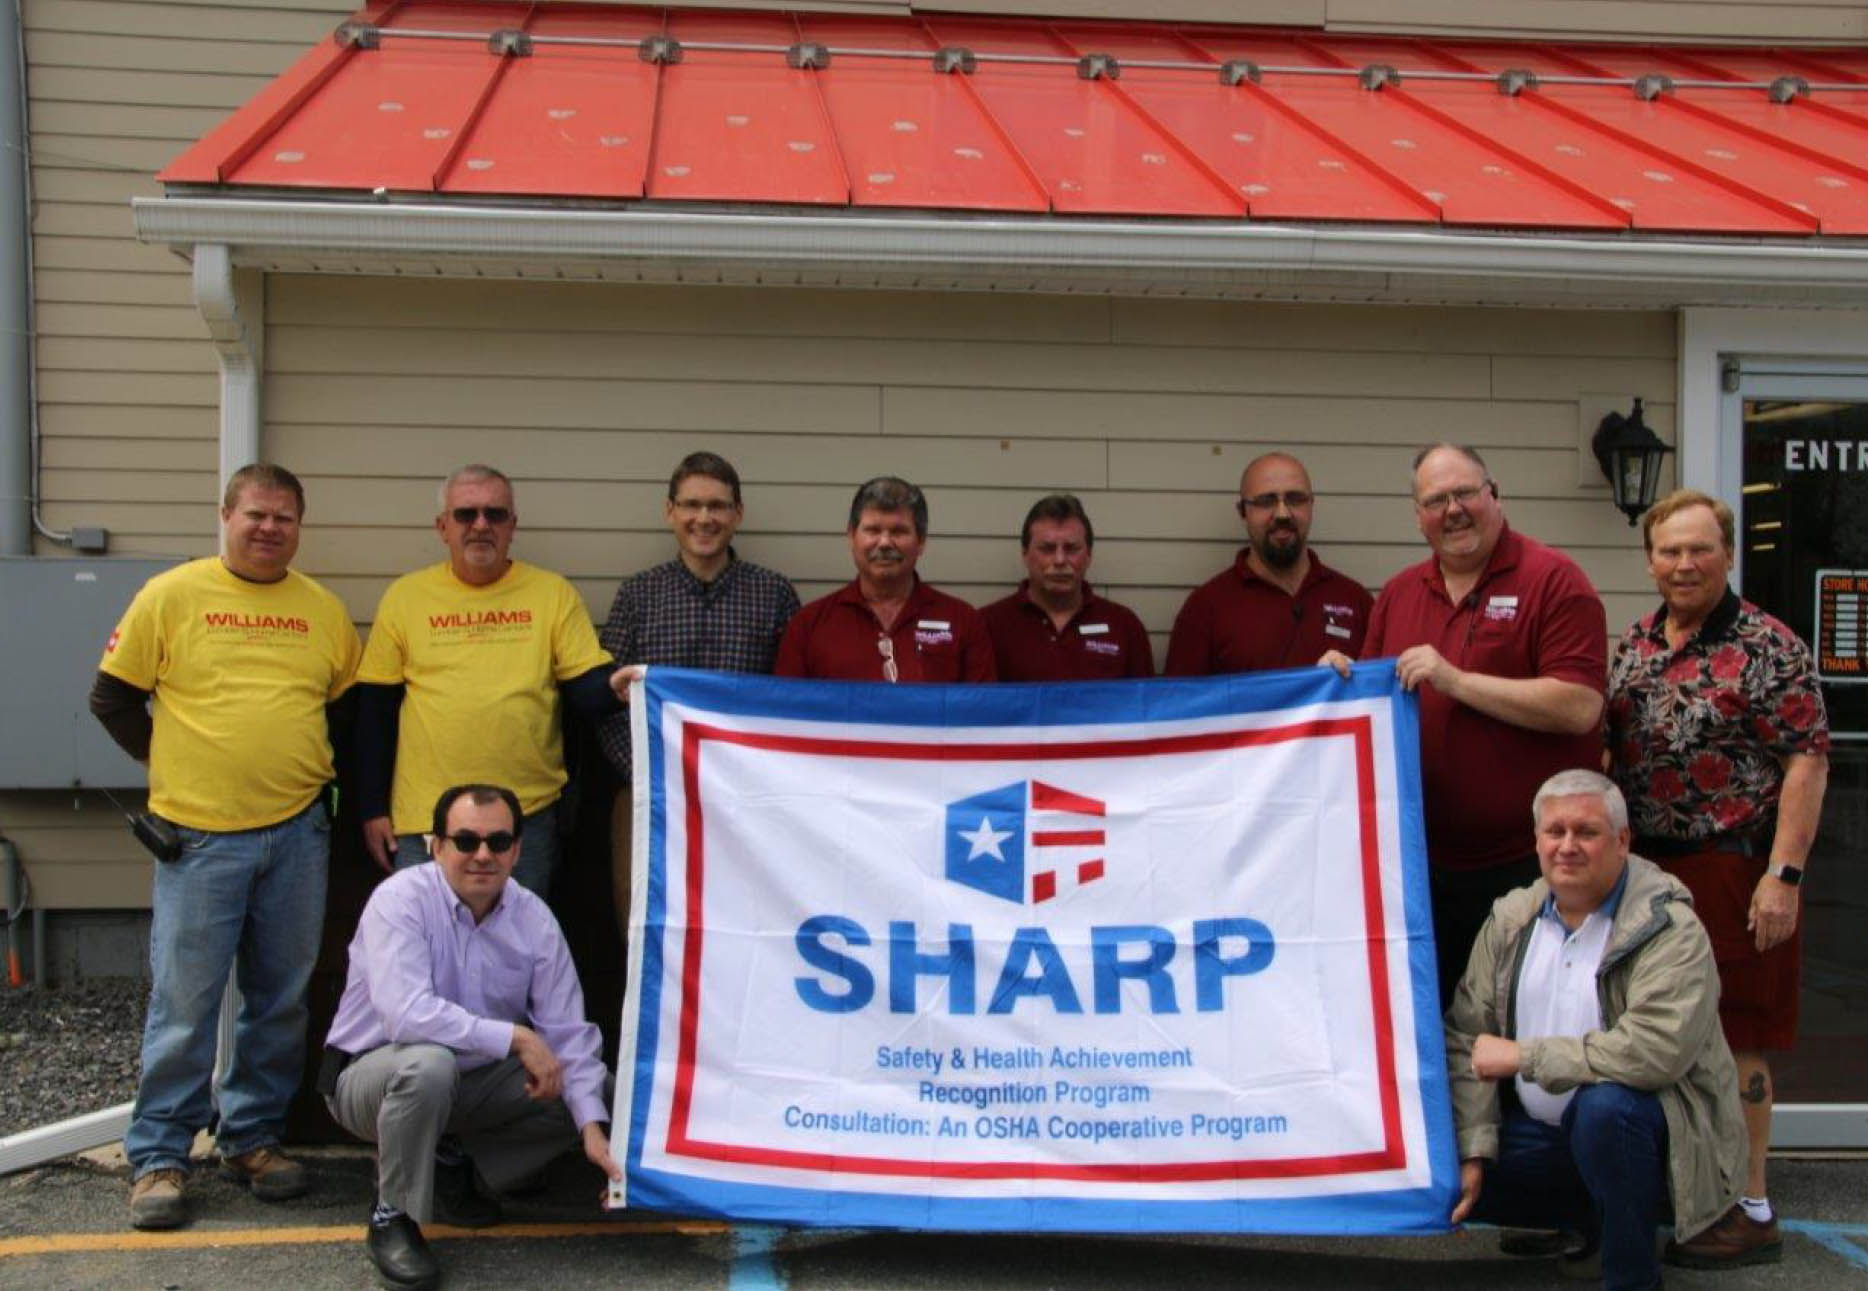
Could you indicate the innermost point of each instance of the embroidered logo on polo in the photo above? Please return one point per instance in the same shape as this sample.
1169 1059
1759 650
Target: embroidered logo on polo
990 835
1502 608
933 632
1336 620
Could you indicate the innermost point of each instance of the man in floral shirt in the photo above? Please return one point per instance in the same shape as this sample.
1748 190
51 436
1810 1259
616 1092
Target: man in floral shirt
1718 737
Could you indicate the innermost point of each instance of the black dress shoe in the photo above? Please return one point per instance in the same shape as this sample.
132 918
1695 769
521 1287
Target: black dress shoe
402 1256
458 1202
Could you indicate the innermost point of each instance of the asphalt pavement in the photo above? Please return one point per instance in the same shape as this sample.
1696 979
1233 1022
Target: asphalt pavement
63 1226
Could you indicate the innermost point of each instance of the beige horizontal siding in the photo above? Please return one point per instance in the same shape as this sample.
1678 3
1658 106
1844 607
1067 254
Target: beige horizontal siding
589 394
128 395
77 851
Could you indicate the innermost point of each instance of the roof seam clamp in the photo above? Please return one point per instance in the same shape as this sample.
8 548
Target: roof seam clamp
1652 86
659 50
955 58
808 54
509 41
1513 81
1096 67
360 35
1237 71
1786 88
1377 75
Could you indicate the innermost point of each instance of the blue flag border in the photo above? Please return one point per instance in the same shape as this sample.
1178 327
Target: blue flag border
1396 1211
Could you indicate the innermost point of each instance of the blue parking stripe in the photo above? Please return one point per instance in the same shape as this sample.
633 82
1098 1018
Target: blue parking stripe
1840 1239
754 1266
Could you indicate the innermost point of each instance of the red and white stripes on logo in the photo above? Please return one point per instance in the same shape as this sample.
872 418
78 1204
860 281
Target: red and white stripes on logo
1063 803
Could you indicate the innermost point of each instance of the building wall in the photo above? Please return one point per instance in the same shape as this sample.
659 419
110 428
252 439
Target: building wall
590 393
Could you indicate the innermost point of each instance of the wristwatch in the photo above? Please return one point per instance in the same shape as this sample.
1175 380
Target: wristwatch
1786 873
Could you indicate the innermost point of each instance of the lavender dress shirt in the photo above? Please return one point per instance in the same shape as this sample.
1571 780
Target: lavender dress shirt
423 972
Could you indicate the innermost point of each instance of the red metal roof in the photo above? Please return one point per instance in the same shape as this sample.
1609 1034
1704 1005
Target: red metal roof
555 101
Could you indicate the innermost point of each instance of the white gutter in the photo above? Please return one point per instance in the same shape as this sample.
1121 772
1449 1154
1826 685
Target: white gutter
1163 250
232 303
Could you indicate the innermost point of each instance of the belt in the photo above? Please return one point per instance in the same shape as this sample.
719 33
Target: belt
1655 847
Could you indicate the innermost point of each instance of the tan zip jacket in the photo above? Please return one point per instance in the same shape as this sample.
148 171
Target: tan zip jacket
1659 996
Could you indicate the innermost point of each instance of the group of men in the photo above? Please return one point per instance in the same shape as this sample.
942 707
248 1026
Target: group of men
460 1046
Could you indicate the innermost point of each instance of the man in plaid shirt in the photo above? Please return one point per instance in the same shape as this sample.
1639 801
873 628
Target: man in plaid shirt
704 609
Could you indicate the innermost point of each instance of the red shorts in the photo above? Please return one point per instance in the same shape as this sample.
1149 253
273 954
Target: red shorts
1758 993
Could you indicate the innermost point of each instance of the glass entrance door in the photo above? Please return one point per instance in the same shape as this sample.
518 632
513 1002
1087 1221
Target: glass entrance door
1803 556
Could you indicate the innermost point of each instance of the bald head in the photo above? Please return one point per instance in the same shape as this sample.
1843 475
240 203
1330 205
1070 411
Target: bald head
1275 500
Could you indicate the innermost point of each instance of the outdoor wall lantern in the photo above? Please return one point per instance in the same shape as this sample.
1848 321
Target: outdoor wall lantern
1630 455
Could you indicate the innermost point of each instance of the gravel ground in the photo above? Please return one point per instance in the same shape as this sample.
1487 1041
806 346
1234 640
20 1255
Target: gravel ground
68 1050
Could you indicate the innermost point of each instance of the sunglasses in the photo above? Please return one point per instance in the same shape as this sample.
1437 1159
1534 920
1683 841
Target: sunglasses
889 671
494 515
499 842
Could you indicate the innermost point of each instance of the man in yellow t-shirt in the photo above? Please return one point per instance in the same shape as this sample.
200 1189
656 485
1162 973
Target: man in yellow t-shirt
462 682
218 677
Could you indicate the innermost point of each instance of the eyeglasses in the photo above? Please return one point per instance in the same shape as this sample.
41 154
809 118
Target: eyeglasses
1465 495
709 507
1293 501
499 842
494 515
887 647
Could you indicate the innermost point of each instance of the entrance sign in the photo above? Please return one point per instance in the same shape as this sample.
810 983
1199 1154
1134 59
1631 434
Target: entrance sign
1115 956
1841 637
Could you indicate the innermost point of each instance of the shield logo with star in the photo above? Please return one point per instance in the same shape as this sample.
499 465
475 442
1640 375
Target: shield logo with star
989 833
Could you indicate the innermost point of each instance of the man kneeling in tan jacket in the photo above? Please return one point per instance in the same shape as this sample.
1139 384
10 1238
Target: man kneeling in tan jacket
1592 1087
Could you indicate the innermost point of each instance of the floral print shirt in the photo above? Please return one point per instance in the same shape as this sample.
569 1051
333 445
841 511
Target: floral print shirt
1697 734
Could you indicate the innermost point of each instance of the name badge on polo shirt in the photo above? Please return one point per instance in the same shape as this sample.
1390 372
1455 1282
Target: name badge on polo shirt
1092 629
1502 608
933 632
1331 613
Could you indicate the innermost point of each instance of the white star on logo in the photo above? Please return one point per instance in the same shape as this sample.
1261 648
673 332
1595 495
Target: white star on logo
986 840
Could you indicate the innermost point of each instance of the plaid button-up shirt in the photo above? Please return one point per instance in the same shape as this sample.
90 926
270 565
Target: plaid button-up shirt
666 615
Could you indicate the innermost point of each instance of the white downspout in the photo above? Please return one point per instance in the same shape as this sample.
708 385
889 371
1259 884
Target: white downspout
233 304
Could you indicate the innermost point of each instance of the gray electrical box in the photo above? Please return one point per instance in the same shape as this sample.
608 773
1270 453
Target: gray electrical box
55 616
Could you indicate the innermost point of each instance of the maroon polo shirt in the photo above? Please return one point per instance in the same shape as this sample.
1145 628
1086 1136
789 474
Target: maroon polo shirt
937 637
1239 622
1531 614
1102 641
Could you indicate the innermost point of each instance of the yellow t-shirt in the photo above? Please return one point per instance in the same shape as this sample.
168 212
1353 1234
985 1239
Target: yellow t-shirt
482 667
241 673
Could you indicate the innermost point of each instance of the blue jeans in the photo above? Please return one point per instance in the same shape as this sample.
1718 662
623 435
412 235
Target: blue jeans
251 901
538 851
1602 1172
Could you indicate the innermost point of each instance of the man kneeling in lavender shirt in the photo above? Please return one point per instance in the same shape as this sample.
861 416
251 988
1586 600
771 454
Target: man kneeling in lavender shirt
460 1047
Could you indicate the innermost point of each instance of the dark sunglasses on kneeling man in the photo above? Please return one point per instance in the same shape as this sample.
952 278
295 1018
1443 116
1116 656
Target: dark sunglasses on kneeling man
499 842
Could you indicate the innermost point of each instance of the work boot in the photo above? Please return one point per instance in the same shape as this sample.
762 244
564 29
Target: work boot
1736 1240
156 1200
270 1173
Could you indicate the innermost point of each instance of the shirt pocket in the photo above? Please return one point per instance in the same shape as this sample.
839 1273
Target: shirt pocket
937 658
1494 645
